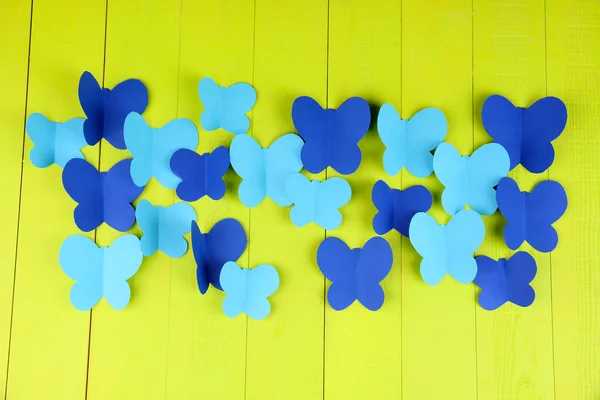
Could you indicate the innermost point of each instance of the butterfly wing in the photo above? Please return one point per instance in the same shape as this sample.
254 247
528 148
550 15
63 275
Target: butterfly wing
190 167
128 96
81 260
177 134
217 165
311 122
491 278
350 124
427 237
174 222
425 131
463 236
248 161
91 98
407 203
282 161
449 168
392 131
262 282
546 203
502 122
211 97
383 200
146 215
486 166
512 205
233 281
374 264
520 271
238 100
69 141
331 195
339 264
122 259
543 122
42 133
302 194
225 242
139 138
201 258
84 184
119 193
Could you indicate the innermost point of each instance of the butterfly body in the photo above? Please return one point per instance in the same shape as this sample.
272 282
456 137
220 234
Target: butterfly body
201 175
54 142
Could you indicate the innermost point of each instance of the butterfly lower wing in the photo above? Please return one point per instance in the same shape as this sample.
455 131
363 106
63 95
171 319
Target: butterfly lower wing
485 168
176 134
139 138
174 222
370 294
342 293
345 157
126 97
382 197
425 131
248 161
449 168
502 121
91 98
282 160
331 195
225 242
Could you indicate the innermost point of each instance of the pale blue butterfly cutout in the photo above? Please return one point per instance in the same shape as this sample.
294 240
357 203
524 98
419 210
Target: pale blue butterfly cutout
246 290
409 142
470 179
100 271
316 201
447 249
54 142
152 148
264 172
164 227
226 107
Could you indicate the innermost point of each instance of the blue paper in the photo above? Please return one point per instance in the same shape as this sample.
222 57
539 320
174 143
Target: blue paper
152 148
264 172
226 107
201 175
102 196
54 142
246 290
225 242
530 216
331 136
106 109
164 227
396 208
100 272
447 249
505 280
470 179
525 133
409 142
355 274
316 201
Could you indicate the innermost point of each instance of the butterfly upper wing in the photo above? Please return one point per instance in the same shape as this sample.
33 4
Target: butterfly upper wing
211 97
512 205
486 166
302 193
282 160
147 217
225 242
122 259
262 281
91 98
407 203
248 161
233 281
425 131
546 203
502 122
383 200
464 234
176 134
392 131
139 138
190 167
311 122
427 237
174 222
450 169
350 124
119 193
330 195
520 271
42 133
238 99
217 164
491 278
84 184
128 96
374 264
69 141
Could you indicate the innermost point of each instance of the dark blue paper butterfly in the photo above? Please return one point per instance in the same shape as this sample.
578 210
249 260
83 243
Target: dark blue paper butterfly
505 280
525 133
106 109
225 242
201 175
331 136
102 196
530 215
397 207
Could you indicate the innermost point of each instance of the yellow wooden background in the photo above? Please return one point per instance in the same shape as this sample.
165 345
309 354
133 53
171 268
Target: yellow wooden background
426 342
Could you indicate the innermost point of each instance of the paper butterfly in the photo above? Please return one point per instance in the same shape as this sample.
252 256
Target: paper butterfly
264 172
100 271
200 175
331 136
246 290
397 207
54 142
226 107
102 196
409 142
525 133
530 216
316 201
106 109
164 227
447 249
152 148
505 280
225 242
355 274
470 179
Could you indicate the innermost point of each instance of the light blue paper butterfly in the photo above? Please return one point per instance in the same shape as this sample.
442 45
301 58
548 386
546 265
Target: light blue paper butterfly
226 107
246 290
152 148
316 201
409 142
100 271
264 172
164 227
447 249
470 179
54 142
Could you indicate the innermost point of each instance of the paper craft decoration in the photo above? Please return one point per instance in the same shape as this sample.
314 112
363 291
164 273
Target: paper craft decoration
102 196
447 249
264 172
355 274
470 179
225 242
54 142
530 216
316 201
395 208
331 136
226 107
164 227
409 142
246 290
152 148
505 280
201 175
525 133
100 271
106 109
